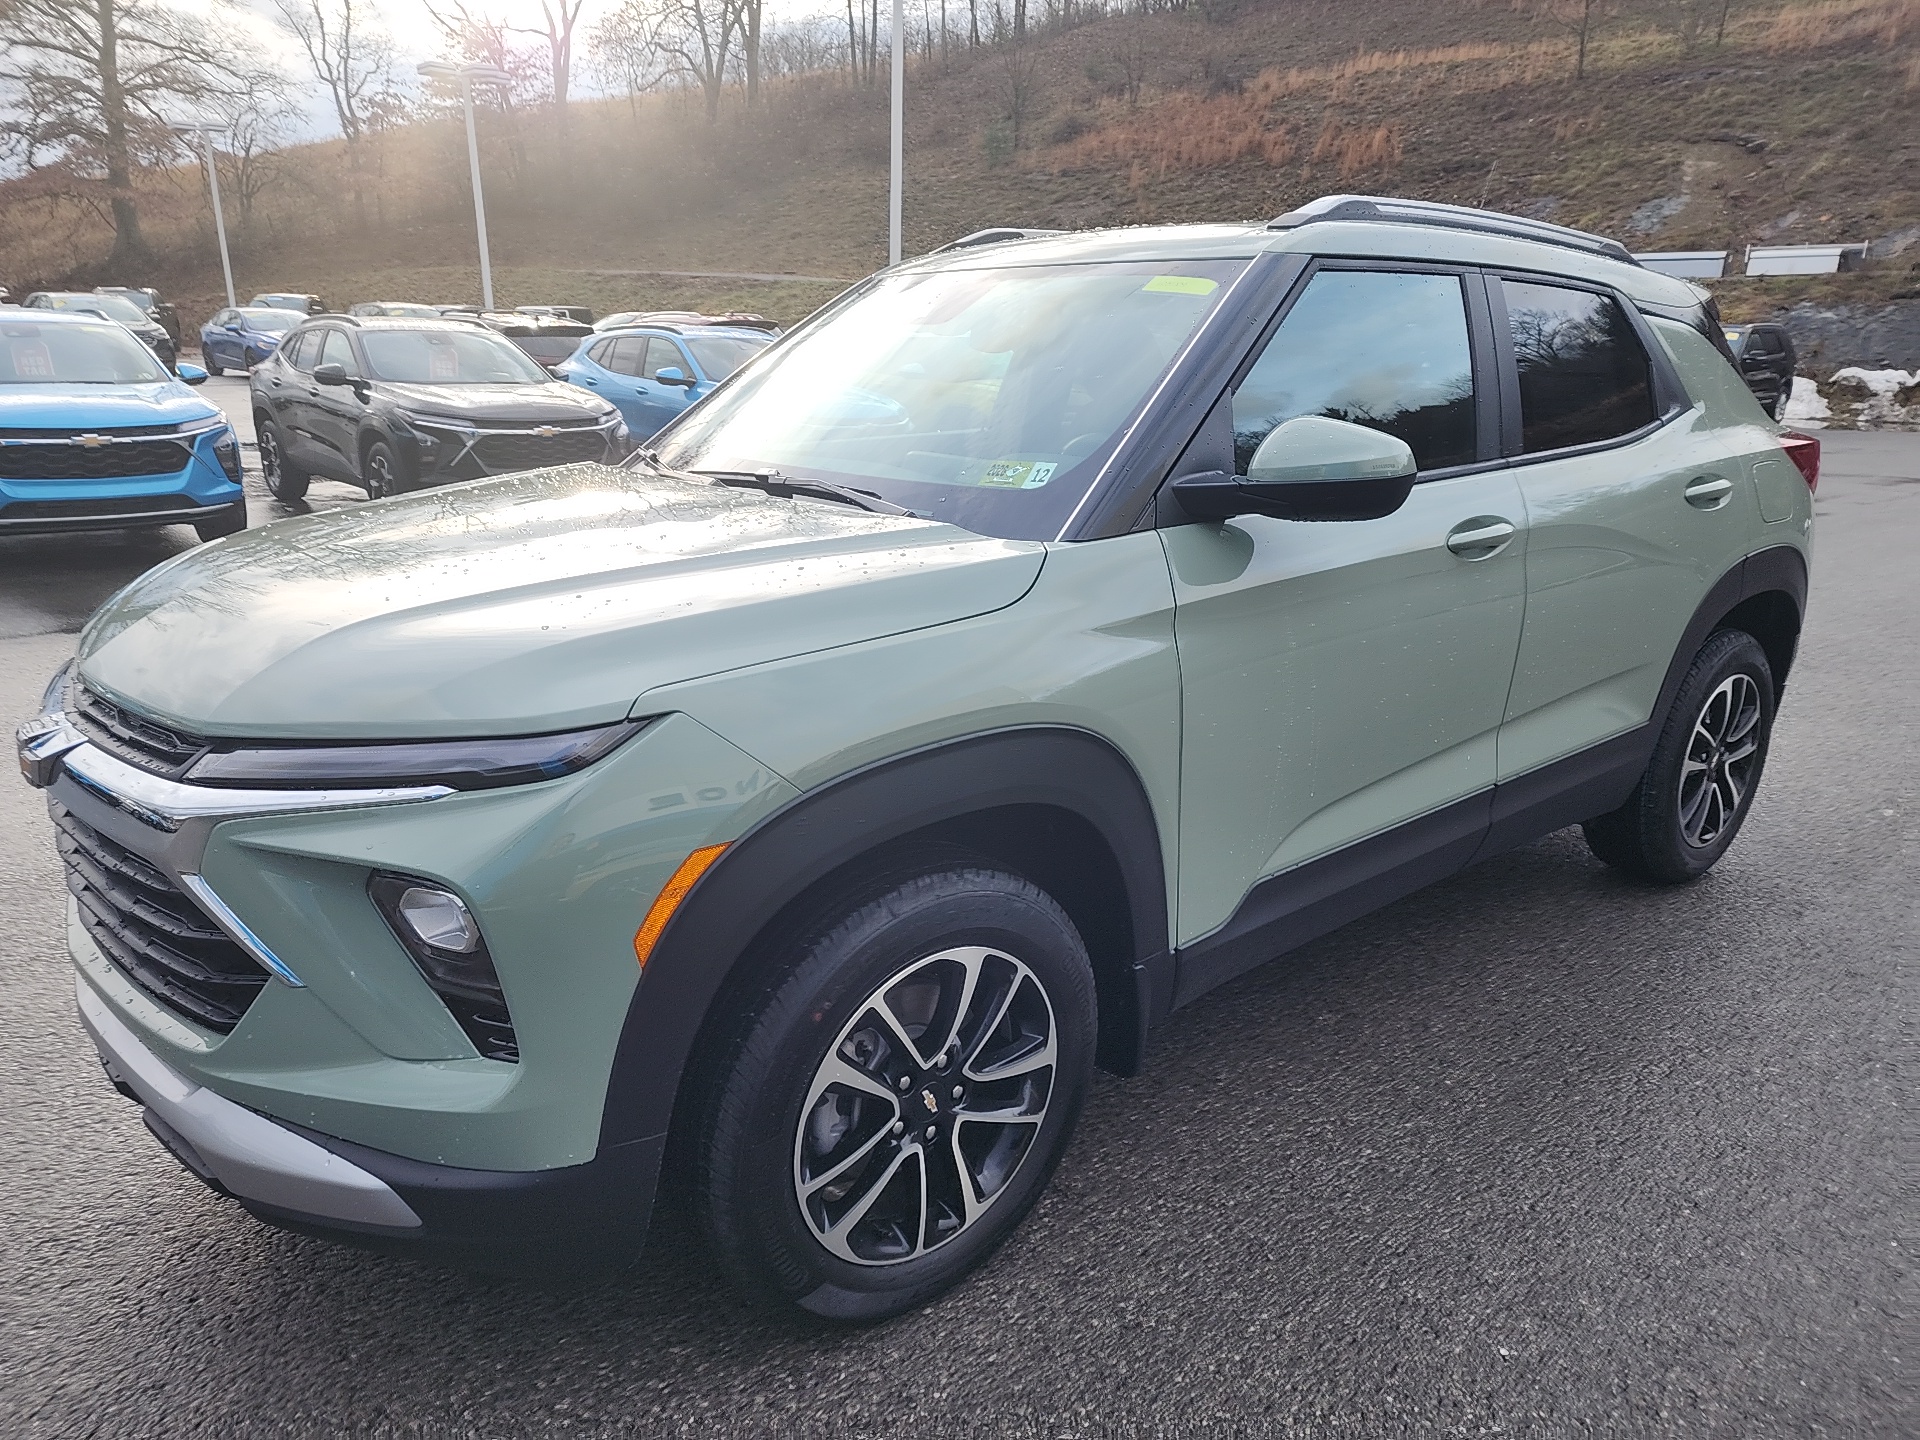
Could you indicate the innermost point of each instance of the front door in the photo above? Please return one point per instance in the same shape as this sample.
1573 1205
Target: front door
1341 679
336 411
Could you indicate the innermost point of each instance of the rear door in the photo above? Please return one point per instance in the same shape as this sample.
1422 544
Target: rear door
1636 504
1343 679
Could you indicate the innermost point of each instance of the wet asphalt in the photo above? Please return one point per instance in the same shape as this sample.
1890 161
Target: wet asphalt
1537 1152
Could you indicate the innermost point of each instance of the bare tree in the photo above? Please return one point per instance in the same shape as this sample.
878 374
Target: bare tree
1019 78
252 160
90 84
1577 18
697 37
352 57
623 53
561 17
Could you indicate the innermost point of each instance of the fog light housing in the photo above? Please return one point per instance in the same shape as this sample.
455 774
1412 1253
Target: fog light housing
443 939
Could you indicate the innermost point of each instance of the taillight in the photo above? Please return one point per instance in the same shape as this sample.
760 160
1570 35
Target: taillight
1804 451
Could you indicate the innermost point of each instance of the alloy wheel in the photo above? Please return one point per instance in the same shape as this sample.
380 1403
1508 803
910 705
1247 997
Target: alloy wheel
1718 769
269 447
379 476
925 1105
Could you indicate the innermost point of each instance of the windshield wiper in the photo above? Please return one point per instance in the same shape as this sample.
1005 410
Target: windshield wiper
786 487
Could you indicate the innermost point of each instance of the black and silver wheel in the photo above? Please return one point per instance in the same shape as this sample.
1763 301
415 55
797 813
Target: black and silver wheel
211 365
380 472
1706 765
900 1102
285 481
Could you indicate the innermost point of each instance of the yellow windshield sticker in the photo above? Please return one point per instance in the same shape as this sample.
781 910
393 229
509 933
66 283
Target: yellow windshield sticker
1180 285
1018 474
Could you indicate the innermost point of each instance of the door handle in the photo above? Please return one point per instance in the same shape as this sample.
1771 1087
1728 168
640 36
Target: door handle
1480 538
1708 492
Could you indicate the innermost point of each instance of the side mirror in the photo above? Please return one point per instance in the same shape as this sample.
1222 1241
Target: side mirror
1309 468
231 328
332 373
192 374
672 375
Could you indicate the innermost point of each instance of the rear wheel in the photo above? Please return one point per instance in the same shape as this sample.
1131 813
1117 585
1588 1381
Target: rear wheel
1706 765
900 1101
285 480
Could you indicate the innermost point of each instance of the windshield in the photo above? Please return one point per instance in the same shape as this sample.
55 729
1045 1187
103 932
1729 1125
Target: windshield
74 354
988 398
271 322
405 311
448 357
720 355
114 307
140 298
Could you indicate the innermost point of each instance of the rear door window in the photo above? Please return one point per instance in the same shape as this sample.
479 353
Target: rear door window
629 355
1584 376
303 353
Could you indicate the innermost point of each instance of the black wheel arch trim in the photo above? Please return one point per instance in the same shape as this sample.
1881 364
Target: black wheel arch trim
1015 794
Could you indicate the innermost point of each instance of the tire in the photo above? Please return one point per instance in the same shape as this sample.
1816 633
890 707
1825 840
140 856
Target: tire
230 521
249 359
817 1078
212 365
285 481
380 473
1706 766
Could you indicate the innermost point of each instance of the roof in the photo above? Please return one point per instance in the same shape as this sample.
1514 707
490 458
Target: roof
22 315
737 332
1346 225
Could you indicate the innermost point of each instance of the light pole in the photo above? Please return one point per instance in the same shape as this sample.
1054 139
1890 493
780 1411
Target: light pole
466 77
899 132
209 129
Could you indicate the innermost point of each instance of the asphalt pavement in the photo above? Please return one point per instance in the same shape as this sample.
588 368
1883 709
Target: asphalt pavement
1536 1152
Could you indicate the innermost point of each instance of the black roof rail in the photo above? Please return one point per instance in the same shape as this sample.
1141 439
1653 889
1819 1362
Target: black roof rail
327 315
993 235
1384 209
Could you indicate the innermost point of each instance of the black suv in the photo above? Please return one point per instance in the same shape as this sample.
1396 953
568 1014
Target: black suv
393 405
1766 358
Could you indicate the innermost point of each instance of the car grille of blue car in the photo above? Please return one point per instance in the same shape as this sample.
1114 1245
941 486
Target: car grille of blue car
152 932
115 459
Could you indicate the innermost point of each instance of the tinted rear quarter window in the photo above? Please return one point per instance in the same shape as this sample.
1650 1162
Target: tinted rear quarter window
1584 376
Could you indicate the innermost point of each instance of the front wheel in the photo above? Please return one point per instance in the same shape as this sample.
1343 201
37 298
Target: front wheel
285 481
380 472
1698 787
212 365
897 1107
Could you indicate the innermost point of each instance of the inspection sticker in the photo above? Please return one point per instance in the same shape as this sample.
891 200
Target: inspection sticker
1180 285
1018 474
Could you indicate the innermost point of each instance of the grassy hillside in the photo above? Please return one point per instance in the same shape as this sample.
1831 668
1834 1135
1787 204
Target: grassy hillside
1800 127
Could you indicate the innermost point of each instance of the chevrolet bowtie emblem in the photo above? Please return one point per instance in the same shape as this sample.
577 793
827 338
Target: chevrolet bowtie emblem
926 1099
546 432
91 441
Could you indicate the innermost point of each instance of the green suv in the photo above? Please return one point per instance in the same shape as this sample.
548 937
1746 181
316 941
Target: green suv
1044 633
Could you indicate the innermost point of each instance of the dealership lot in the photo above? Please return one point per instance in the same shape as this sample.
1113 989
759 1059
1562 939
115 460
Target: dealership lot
1535 1151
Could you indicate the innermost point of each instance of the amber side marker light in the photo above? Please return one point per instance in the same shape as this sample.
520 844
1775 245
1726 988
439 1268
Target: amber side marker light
669 898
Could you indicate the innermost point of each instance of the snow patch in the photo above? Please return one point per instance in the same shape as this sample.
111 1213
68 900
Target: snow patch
1806 406
1871 399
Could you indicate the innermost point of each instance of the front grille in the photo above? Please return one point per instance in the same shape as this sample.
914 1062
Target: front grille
98 507
126 736
115 461
62 432
151 932
528 452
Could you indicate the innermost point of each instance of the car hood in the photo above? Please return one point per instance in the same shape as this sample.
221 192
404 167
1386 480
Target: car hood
540 601
100 407
553 403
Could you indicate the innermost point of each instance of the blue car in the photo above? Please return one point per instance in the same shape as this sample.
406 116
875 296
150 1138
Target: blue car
240 337
654 372
95 434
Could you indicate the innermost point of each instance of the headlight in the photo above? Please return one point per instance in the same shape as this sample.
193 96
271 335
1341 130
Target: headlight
434 422
459 764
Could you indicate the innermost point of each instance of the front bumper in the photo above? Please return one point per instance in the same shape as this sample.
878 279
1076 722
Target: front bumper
198 489
301 1180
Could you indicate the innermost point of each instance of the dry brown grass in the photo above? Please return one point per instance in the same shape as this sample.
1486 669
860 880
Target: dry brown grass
1834 22
1354 150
